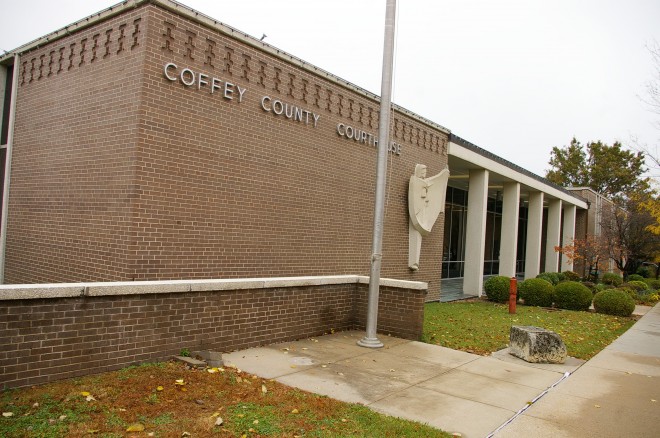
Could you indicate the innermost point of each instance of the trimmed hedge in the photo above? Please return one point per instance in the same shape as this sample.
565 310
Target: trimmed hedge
571 276
636 285
537 292
612 278
497 288
614 302
591 285
550 277
653 283
602 286
635 277
572 295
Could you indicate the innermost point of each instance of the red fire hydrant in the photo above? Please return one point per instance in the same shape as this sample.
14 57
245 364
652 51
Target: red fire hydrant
513 287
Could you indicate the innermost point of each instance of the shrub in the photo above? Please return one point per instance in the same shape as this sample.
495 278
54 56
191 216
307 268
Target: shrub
644 271
614 302
602 286
635 277
571 276
648 299
550 277
537 292
612 278
572 295
632 292
590 285
653 283
635 285
497 289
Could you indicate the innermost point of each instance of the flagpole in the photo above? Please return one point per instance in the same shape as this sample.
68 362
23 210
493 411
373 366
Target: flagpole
371 340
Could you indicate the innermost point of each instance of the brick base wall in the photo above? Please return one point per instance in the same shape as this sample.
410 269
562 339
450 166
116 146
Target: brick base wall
47 339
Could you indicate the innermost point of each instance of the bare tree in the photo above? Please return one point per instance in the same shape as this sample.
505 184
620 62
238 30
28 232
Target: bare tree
652 102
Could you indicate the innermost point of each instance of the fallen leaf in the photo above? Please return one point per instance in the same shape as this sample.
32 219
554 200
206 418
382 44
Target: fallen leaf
343 420
179 382
62 417
135 427
653 400
93 431
84 393
185 434
255 422
90 398
392 370
211 370
160 388
295 411
263 389
7 414
324 366
596 406
239 379
219 421
340 374
35 405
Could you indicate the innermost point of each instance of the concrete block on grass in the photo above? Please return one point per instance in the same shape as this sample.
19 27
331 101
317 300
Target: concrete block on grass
536 345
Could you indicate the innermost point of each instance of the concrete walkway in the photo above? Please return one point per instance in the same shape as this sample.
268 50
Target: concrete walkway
475 395
615 394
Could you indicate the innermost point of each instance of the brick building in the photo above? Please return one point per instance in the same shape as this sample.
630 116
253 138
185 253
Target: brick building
151 142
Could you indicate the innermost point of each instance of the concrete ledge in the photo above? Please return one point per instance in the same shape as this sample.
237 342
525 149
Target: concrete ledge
403 284
136 287
38 291
67 290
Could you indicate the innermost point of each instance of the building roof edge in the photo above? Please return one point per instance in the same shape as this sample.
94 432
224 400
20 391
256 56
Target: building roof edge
212 23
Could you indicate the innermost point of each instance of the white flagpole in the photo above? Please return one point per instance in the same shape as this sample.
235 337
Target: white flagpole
371 340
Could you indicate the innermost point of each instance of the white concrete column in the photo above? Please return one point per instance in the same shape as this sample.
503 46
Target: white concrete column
509 236
568 235
475 240
534 226
552 235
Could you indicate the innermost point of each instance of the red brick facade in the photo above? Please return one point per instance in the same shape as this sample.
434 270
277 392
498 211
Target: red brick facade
120 173
42 340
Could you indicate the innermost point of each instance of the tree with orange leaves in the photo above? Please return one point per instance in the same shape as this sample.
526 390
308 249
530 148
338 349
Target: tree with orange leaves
592 251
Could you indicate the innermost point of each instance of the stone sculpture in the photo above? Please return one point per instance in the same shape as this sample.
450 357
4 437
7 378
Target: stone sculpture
426 200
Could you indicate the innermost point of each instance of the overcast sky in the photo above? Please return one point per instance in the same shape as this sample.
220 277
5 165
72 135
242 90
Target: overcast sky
515 77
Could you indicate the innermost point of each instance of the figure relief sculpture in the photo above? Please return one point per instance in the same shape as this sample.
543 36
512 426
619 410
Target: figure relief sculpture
426 200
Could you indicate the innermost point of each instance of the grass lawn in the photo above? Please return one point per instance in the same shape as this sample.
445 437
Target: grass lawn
482 327
168 400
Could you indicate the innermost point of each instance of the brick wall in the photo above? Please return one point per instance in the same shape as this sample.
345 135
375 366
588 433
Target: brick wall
46 339
123 174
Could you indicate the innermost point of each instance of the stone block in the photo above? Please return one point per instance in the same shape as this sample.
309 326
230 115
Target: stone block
536 345
212 358
192 363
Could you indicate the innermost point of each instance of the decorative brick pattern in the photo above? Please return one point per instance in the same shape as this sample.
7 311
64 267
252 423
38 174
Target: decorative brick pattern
121 174
42 340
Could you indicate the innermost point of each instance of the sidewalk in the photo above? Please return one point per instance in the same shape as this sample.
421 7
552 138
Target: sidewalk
475 395
615 394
